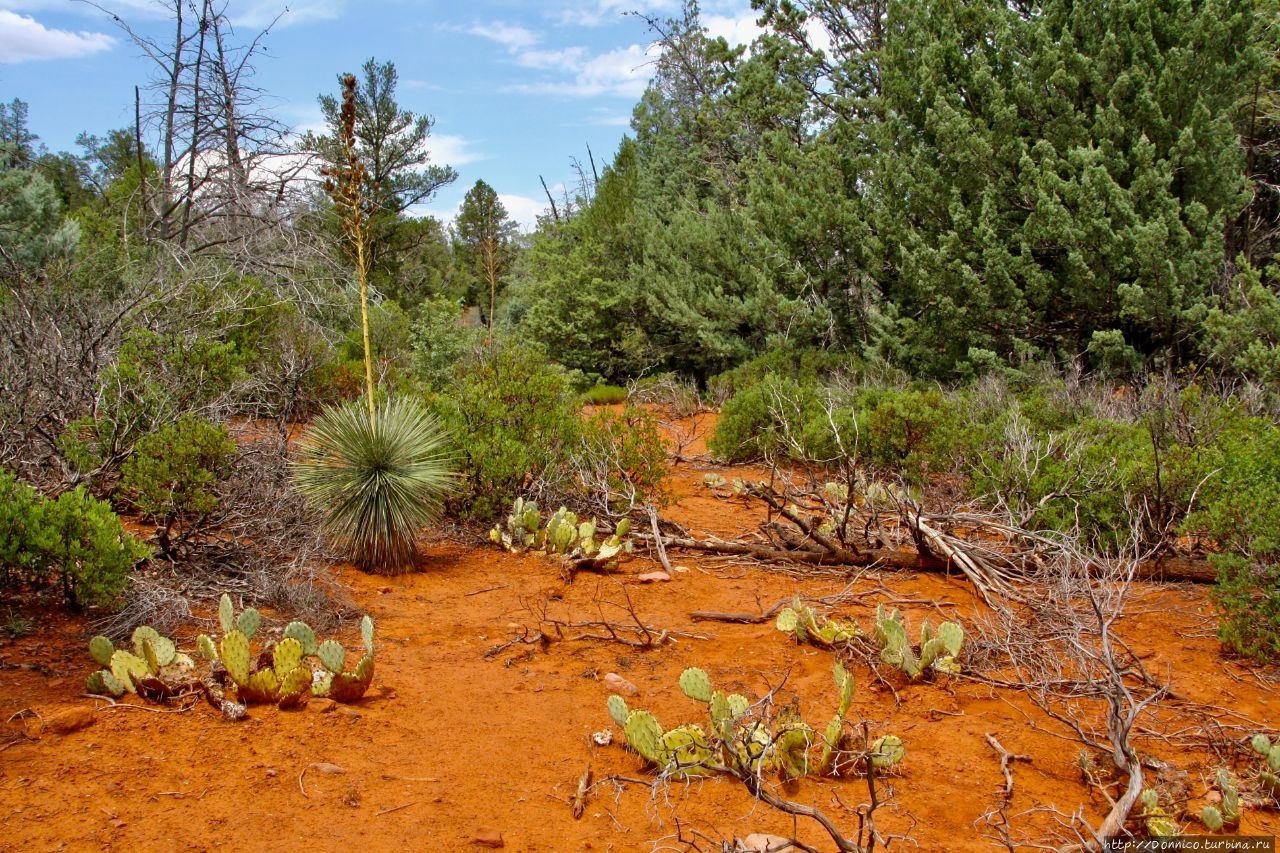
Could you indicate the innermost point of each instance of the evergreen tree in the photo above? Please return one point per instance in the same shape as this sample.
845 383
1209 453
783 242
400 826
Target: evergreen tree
484 241
392 143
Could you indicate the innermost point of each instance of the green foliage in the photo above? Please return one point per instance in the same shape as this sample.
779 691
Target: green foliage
376 484
760 420
154 381
75 540
174 473
622 458
514 422
441 344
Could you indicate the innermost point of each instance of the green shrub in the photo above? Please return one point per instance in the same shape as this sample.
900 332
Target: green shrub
75 541
766 420
174 472
623 458
605 395
440 342
377 483
514 421
1248 596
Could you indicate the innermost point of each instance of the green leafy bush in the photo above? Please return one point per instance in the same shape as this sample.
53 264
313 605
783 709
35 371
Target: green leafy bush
515 423
622 458
440 342
765 419
174 472
378 481
75 541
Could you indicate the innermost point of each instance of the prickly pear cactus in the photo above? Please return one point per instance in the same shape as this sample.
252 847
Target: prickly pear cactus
295 687
332 655
226 614
1211 817
302 632
644 734
351 686
696 684
1270 751
286 657
1159 824
887 751
686 752
366 634
163 648
205 645
101 649
234 652
618 709
249 622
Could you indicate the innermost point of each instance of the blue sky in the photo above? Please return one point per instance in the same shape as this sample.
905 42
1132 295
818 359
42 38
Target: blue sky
518 88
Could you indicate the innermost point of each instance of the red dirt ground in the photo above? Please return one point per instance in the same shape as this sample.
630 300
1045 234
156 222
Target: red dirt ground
452 746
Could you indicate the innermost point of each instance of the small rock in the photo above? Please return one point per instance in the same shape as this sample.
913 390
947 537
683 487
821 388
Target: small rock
653 577
620 685
760 842
66 722
327 768
488 838
1213 797
271 773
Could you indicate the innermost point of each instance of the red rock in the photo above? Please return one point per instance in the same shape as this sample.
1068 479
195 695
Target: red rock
488 838
66 722
620 685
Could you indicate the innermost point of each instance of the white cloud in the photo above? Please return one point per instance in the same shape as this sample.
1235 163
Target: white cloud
23 39
624 72
523 210
449 150
510 36
736 29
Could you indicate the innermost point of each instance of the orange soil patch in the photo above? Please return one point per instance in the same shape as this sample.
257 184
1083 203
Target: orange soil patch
453 744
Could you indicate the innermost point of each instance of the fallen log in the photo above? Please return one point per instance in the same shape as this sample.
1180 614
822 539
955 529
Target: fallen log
1170 569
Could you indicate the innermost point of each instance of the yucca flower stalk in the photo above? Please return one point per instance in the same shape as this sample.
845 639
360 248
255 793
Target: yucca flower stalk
345 185
378 475
378 483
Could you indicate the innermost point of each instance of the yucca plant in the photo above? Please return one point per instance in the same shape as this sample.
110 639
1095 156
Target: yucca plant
377 483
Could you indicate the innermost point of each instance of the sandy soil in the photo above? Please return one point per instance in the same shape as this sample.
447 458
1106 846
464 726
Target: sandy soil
458 744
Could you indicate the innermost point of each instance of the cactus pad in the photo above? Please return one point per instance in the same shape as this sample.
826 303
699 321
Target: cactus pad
685 751
791 748
830 739
644 733
148 654
366 634
332 655
235 656
887 751
294 687
738 704
262 686
286 657
1212 818
113 684
696 684
206 647
302 632
952 636
128 667
618 709
1261 744
249 622
226 614
163 647
101 649
844 684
